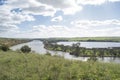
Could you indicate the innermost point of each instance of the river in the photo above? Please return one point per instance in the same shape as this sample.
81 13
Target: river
93 44
38 47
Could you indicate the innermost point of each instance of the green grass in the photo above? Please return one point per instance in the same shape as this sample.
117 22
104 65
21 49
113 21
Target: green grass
12 41
19 66
97 38
113 39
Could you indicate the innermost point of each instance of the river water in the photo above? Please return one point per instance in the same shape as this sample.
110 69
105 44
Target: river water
93 44
38 47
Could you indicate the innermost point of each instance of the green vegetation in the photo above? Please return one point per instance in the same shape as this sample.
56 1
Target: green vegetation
101 39
32 66
104 39
92 59
11 42
4 47
19 66
76 50
25 49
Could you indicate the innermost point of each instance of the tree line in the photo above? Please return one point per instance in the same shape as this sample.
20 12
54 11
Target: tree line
10 42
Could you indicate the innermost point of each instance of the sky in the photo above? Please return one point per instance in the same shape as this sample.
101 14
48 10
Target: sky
59 18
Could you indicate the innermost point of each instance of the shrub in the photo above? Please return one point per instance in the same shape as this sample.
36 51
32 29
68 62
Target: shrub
4 48
25 49
92 59
48 53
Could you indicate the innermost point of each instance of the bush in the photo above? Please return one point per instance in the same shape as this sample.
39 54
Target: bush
92 59
48 53
25 49
4 47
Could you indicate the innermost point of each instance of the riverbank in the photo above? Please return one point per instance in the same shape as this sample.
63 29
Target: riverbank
76 50
38 47
84 39
19 66
11 41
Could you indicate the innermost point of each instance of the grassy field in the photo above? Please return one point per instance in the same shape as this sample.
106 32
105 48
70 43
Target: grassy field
112 39
97 38
31 66
11 41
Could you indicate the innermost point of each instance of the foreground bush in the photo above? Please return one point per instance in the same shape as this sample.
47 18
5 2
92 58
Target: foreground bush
4 47
14 66
25 49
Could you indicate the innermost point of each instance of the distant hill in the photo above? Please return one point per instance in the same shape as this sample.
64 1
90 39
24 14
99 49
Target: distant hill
12 41
104 39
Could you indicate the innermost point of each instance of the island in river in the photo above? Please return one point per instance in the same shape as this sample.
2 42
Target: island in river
38 47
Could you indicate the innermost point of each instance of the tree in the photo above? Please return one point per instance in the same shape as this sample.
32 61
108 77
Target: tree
75 49
4 48
25 49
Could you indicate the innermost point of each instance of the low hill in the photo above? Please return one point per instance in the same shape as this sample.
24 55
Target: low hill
102 39
12 41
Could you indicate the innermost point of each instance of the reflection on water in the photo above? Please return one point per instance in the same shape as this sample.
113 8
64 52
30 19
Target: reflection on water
38 47
35 45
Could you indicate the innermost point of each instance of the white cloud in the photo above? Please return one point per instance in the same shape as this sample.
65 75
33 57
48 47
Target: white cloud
41 7
80 28
72 10
6 28
32 7
49 8
94 2
98 28
88 23
91 2
114 0
44 10
57 19
35 7
67 6
9 20
22 3
18 18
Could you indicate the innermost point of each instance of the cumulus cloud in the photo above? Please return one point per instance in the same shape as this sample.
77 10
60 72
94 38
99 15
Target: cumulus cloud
114 0
96 27
47 31
46 7
9 18
91 2
41 10
33 7
94 2
6 28
92 23
67 6
49 8
80 28
57 19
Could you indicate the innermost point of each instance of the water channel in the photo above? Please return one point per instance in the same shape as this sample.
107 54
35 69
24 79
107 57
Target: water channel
38 47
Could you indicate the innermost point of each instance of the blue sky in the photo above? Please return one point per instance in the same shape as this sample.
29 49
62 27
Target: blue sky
59 18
